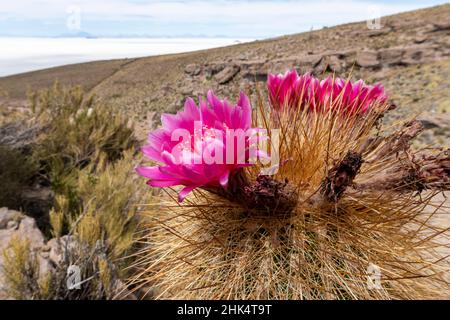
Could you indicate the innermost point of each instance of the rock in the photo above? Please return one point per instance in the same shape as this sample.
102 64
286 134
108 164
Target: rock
48 255
227 74
24 228
56 248
436 121
420 38
367 59
441 26
254 70
418 54
29 229
392 56
214 68
428 124
258 76
6 216
377 33
187 89
15 223
307 62
252 65
330 63
243 56
335 64
12 225
193 69
19 136
310 60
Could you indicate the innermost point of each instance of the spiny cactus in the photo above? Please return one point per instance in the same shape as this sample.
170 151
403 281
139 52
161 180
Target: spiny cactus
340 217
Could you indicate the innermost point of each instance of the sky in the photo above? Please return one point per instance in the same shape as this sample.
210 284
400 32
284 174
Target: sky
187 18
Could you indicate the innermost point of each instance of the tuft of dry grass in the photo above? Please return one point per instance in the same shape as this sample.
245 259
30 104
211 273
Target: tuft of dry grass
322 247
21 270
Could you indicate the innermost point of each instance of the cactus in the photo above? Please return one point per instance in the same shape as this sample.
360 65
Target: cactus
326 225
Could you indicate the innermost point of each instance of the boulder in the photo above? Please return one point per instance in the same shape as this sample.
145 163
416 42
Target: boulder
19 135
57 247
254 70
421 38
329 63
214 68
187 89
441 26
392 56
227 74
420 53
436 121
14 223
193 69
367 59
380 32
310 60
252 65
306 62
335 63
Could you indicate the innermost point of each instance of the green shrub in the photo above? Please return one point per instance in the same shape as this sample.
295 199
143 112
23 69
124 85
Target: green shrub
78 132
107 211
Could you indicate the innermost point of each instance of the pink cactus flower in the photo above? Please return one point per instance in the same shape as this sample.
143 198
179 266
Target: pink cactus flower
305 91
201 146
287 89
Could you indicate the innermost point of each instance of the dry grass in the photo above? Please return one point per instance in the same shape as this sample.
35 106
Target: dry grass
21 270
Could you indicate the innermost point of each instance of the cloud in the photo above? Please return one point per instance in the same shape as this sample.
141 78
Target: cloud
258 16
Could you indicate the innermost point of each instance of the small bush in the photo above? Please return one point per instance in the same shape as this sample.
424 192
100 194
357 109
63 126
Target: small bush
21 270
78 132
107 206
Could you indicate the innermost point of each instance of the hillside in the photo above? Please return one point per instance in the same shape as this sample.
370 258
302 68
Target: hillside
410 55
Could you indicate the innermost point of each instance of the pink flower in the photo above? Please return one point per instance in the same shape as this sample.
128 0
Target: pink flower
201 145
293 91
289 89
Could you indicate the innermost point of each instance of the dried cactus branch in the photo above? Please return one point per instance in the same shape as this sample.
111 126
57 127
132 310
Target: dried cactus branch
397 142
424 171
274 196
341 176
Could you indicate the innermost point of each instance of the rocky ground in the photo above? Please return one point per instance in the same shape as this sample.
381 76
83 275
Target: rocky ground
410 55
